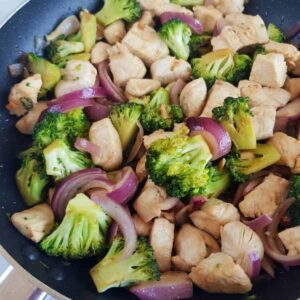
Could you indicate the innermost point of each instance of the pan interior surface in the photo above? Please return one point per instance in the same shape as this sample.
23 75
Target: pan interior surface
37 18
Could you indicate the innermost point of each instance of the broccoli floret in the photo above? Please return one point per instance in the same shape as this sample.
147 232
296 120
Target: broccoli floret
88 30
221 64
81 233
188 2
158 113
179 163
66 127
200 44
49 72
275 34
176 35
236 118
218 182
242 164
294 191
112 272
113 10
124 118
61 161
79 56
59 49
260 49
31 178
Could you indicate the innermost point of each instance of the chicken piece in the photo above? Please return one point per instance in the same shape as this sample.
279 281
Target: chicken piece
263 121
147 18
115 32
291 240
214 214
296 69
263 96
192 97
242 31
292 85
140 169
144 42
161 240
212 246
99 53
124 65
23 96
142 228
289 51
103 134
269 70
77 75
217 94
265 198
189 245
141 87
208 16
219 274
239 241
169 215
154 136
148 203
180 264
26 124
287 146
296 169
230 6
34 223
169 69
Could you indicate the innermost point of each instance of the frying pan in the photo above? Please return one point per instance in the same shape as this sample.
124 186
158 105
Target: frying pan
71 278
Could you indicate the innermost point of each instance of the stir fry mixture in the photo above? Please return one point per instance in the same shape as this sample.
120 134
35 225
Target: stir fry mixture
165 143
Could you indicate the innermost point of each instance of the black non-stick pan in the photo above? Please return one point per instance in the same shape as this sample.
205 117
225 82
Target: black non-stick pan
71 279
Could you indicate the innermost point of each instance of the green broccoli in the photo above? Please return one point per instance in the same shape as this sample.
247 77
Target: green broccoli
61 161
275 34
82 232
49 72
200 44
223 65
59 49
31 178
243 164
188 2
113 10
294 191
158 113
56 125
124 118
176 35
217 183
179 163
78 56
111 272
260 49
88 30
236 118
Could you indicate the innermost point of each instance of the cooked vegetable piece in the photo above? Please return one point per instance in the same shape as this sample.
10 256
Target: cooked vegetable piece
176 35
113 10
31 177
200 44
159 113
61 161
179 163
188 2
81 233
50 72
78 56
124 118
236 118
88 30
275 34
242 164
66 127
294 191
115 32
110 272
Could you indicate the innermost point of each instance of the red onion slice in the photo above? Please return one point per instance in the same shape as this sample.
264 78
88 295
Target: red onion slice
172 285
176 90
197 202
258 223
281 124
193 23
16 70
169 203
220 24
113 231
214 134
254 264
65 106
267 266
97 112
122 218
291 111
112 90
126 186
86 146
